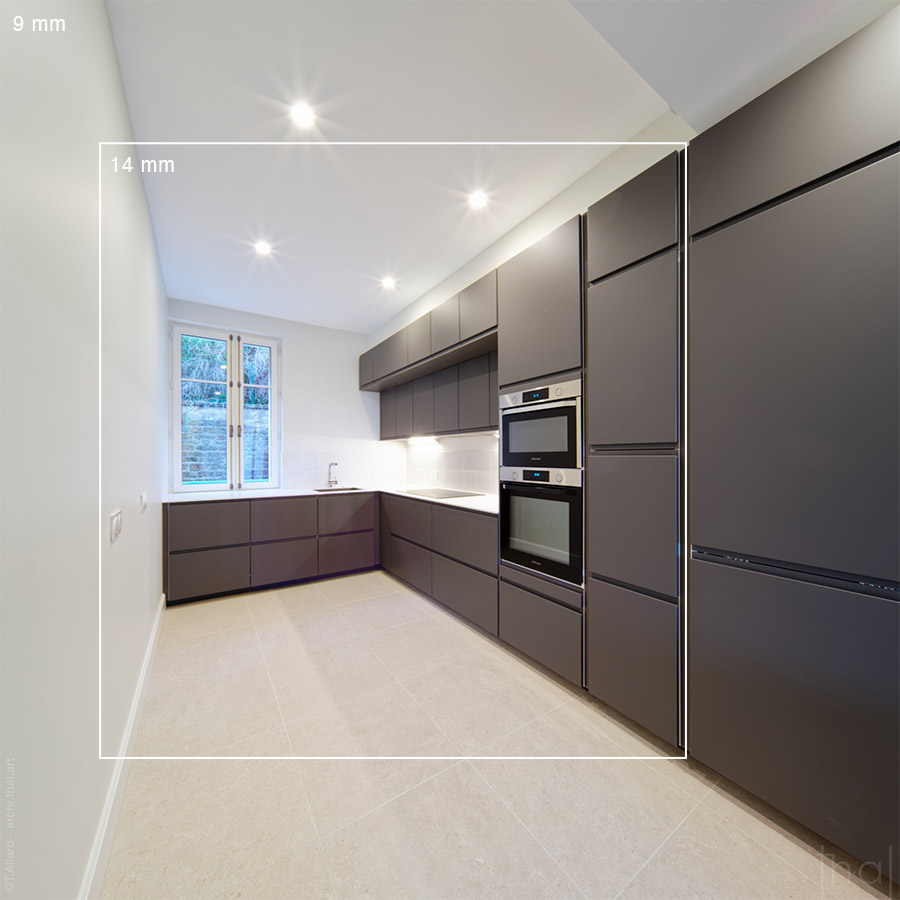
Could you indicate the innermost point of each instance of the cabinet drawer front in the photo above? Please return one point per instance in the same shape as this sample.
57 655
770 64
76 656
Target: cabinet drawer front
466 536
340 513
794 695
282 561
632 656
633 520
544 630
470 593
412 564
198 525
204 572
632 355
411 519
635 220
278 518
346 552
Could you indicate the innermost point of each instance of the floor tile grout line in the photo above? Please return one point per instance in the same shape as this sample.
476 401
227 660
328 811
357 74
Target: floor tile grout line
432 719
295 767
659 847
534 837
826 893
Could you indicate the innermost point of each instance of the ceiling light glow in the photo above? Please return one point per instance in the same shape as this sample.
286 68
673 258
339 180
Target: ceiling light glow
303 115
388 283
263 248
478 199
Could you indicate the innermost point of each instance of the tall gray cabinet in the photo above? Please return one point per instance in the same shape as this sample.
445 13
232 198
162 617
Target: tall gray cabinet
794 670
632 391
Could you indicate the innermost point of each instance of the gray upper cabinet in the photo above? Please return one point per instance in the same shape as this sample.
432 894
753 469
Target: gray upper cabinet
539 307
493 391
278 518
388 414
391 354
635 220
423 405
633 521
795 400
192 526
404 395
633 355
478 306
367 367
445 325
838 109
474 394
418 335
446 400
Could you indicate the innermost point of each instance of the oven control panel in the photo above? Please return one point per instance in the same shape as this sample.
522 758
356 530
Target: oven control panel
559 477
562 390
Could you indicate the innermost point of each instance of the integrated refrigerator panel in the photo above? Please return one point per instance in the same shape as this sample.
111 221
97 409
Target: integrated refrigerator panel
795 396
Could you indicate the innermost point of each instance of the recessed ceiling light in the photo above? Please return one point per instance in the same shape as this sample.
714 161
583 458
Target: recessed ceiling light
263 248
303 115
388 283
478 199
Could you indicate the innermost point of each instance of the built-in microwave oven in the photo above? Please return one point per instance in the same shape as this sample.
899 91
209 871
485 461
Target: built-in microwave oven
541 427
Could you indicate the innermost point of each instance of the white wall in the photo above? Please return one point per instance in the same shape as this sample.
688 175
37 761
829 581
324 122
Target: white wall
325 417
605 177
61 94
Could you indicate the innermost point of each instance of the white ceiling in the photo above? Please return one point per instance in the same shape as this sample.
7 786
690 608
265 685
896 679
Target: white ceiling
341 217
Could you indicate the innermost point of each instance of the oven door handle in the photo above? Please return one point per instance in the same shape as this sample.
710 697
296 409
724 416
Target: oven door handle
531 487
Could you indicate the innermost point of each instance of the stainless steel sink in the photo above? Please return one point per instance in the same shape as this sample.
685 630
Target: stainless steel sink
324 490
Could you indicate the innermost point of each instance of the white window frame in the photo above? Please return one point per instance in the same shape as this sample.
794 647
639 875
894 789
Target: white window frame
235 400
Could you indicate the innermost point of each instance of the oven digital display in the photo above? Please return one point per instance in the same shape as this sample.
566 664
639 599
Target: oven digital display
534 396
535 475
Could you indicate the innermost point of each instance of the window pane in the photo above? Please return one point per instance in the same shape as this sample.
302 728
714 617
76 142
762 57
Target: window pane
204 358
204 433
257 364
257 433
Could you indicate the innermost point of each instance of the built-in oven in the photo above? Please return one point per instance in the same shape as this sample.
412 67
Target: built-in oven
541 427
541 522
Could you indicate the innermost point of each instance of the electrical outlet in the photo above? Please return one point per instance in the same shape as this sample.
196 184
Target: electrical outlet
143 501
115 525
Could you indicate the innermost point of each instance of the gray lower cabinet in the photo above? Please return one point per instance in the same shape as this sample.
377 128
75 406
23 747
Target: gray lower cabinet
280 561
346 552
466 536
193 526
633 355
423 405
795 399
478 306
412 564
632 656
388 401
632 514
793 694
277 518
634 221
446 400
539 307
465 590
404 401
341 513
836 110
546 631
411 519
201 573
445 325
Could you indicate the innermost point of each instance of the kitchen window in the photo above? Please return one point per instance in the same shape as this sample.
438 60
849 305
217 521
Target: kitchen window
224 403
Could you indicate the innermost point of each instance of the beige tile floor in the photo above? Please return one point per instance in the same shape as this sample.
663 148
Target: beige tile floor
362 666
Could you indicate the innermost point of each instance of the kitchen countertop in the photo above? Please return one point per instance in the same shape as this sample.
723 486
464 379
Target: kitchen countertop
486 503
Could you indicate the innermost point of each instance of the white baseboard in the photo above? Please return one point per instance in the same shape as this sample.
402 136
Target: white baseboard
92 882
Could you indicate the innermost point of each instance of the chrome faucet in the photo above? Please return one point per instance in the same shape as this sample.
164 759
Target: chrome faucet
332 481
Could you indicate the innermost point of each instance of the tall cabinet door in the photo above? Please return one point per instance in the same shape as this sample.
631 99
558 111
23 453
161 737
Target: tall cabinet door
795 348
539 307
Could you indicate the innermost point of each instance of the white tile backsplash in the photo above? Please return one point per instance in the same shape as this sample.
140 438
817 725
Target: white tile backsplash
466 462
